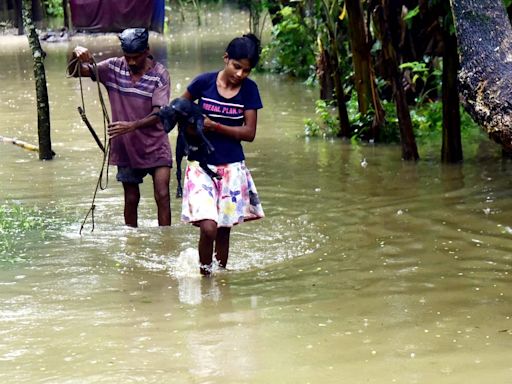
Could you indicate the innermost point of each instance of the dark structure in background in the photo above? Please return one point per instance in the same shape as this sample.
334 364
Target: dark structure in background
11 11
115 15
93 15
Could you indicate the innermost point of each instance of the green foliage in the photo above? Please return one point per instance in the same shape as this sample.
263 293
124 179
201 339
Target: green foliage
291 48
16 223
389 132
423 80
427 120
430 76
54 8
411 14
326 123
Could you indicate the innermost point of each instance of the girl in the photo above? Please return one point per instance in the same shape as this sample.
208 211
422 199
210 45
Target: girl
229 100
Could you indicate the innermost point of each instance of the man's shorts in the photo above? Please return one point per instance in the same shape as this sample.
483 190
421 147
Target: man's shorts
133 175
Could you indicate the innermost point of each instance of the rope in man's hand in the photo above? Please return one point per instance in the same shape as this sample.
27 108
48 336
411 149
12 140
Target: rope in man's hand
74 70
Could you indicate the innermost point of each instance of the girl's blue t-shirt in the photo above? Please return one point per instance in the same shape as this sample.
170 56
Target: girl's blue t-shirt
224 111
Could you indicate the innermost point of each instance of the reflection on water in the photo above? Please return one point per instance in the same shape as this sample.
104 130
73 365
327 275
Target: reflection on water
383 272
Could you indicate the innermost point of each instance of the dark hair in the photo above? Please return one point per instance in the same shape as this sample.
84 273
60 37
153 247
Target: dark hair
245 47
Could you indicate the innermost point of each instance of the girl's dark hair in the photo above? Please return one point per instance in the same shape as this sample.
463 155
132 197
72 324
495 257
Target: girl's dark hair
245 47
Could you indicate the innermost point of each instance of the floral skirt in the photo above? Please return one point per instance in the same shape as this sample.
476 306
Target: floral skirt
228 201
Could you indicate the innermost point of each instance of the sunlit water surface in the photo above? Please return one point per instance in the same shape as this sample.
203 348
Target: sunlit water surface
385 273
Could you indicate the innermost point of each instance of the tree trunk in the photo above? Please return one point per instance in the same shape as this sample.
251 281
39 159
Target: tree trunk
387 16
364 81
360 54
484 37
43 108
345 129
332 23
66 14
451 151
324 73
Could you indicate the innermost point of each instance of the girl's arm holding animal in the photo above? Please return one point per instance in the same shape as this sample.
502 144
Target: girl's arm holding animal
246 132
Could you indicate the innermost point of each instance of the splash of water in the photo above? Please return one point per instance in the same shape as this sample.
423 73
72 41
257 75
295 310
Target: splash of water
186 264
186 271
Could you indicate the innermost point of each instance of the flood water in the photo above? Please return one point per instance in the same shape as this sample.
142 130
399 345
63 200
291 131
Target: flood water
389 273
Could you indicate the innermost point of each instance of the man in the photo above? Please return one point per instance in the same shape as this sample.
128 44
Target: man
137 87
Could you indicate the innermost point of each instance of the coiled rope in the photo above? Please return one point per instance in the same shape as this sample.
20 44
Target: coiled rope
75 65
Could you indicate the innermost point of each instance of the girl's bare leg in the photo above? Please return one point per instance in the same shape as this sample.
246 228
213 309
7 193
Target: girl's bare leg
222 245
208 233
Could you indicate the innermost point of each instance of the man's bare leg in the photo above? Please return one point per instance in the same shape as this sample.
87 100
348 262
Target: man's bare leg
161 179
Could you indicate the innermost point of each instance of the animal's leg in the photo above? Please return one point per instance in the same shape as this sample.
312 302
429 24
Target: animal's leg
209 172
180 154
179 188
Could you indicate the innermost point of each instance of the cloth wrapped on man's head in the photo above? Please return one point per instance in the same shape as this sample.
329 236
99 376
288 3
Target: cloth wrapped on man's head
134 40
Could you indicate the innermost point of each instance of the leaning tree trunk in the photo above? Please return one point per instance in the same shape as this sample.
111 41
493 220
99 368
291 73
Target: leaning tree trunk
43 108
484 37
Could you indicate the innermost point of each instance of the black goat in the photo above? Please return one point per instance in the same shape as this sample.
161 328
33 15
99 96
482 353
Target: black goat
190 120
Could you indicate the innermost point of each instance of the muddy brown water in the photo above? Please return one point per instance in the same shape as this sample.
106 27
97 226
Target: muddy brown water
389 273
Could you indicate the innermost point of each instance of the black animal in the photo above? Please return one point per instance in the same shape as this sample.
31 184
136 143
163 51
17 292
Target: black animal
190 120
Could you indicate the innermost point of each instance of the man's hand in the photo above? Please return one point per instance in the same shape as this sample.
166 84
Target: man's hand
120 128
82 54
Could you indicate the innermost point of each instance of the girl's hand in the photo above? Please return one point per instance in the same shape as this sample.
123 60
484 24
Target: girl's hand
209 125
118 128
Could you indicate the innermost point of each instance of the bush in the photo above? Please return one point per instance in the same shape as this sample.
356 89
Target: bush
53 8
291 48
